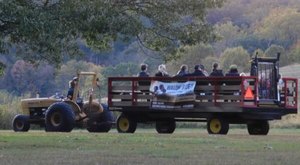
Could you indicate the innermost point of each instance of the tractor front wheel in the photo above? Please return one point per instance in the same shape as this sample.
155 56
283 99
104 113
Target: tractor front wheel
21 123
217 125
125 124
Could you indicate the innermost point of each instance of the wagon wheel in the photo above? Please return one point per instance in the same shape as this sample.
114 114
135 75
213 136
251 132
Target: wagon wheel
165 126
258 128
217 125
125 124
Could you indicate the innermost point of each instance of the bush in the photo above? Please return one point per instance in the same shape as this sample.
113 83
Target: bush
238 56
9 107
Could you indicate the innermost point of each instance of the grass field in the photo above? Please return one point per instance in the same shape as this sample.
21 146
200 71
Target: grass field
185 146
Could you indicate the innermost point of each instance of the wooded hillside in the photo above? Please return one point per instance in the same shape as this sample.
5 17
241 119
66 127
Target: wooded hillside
240 29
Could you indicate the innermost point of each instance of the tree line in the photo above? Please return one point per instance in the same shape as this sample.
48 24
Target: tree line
45 43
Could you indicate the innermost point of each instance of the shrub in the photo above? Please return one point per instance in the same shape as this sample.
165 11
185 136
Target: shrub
9 107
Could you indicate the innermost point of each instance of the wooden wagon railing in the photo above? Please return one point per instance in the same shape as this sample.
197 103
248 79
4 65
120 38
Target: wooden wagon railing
209 91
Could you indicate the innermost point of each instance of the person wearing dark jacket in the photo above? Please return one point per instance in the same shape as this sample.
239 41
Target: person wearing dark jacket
216 72
202 68
183 71
233 71
143 72
197 72
72 85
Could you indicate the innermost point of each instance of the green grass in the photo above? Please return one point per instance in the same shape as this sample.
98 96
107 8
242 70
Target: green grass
185 146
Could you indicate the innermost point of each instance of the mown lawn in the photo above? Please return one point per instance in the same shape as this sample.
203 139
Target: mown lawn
185 146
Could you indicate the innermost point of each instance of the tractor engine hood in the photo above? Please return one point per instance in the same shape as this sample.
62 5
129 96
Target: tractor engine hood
38 102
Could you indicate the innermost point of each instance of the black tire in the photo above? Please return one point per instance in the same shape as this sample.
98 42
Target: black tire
125 124
101 123
21 123
258 128
60 118
217 125
167 127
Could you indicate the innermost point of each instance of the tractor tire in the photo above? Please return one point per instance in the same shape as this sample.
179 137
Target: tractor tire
258 128
217 125
166 127
125 124
60 118
101 123
21 123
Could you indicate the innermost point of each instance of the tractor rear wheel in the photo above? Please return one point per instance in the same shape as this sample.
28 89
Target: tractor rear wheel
60 118
165 126
125 124
101 123
21 123
217 125
258 128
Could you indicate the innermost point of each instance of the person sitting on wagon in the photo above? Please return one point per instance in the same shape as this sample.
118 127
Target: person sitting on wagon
233 71
197 72
183 71
202 68
215 71
162 71
143 73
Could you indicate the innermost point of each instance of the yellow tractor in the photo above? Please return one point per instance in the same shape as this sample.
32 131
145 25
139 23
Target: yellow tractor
58 114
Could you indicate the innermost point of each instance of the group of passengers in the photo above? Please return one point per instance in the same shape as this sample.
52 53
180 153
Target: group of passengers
199 71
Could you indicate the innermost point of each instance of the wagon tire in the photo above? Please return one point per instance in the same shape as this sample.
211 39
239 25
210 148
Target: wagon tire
258 128
217 125
166 127
126 124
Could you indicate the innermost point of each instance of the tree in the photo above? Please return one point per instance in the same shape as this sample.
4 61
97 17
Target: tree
295 54
273 50
2 68
282 24
52 29
191 56
229 35
251 43
24 79
258 53
122 70
208 62
69 70
237 56
233 11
